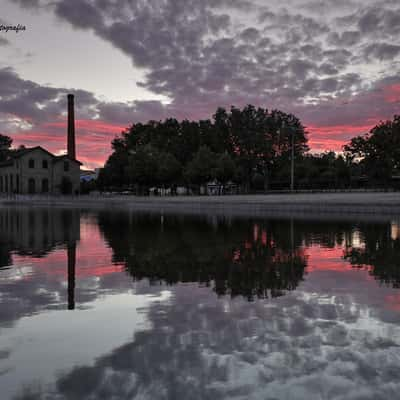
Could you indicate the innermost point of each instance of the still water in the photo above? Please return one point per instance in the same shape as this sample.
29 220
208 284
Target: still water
116 305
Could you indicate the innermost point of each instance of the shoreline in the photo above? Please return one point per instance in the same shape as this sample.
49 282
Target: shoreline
375 204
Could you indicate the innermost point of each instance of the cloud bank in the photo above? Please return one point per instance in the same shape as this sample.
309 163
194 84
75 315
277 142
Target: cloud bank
334 64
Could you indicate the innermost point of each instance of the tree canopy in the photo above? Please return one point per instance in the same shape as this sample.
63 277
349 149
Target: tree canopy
5 145
233 145
378 150
250 147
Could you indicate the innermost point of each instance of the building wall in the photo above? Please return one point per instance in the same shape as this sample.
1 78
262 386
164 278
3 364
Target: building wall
73 174
5 178
38 173
21 172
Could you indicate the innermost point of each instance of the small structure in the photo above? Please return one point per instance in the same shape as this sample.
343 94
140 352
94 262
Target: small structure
214 188
88 175
36 170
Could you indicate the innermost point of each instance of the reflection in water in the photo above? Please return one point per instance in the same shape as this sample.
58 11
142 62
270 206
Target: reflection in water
379 253
237 257
71 251
196 308
35 233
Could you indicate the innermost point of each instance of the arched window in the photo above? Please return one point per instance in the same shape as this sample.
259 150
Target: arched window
31 186
31 163
45 185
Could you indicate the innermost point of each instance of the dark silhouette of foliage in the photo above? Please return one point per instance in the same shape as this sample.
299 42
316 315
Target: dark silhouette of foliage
380 254
378 151
5 145
239 143
227 257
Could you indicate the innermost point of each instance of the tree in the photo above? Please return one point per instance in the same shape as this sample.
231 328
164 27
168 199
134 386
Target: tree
379 150
169 169
201 169
142 166
247 141
225 169
114 173
5 145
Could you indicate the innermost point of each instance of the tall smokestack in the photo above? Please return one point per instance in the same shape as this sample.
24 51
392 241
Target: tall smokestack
71 128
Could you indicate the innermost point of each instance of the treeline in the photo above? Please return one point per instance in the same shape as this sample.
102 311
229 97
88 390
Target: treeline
250 148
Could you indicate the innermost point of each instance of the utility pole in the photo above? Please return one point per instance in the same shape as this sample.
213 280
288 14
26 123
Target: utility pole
292 162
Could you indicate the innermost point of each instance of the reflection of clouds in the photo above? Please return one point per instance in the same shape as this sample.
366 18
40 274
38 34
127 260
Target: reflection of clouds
305 345
34 285
334 337
39 292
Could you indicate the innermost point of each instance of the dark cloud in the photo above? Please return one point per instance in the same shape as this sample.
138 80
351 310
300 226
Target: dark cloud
250 35
382 51
328 69
347 38
206 54
370 21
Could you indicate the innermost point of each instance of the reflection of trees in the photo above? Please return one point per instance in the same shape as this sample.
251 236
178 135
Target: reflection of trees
236 258
380 252
328 234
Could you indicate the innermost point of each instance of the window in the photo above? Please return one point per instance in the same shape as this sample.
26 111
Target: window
31 186
11 183
66 166
31 163
45 185
1 184
45 164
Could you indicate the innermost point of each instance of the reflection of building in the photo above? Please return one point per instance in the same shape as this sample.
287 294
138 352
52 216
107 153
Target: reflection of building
35 170
37 231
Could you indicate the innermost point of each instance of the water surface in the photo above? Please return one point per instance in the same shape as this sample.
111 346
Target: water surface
116 305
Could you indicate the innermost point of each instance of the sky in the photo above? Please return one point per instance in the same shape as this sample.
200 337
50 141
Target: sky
333 63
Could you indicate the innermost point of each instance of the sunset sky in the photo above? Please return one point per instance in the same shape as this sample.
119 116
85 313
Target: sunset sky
333 63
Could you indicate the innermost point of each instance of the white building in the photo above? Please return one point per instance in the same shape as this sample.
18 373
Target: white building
36 170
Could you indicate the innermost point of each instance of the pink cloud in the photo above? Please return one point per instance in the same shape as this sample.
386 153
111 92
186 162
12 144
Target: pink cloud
392 93
93 138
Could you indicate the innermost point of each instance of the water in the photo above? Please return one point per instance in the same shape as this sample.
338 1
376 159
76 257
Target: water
112 305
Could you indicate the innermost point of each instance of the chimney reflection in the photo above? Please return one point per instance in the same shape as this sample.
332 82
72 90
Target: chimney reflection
71 255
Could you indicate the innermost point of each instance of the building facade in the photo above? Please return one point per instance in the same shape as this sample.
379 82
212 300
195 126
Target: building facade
37 171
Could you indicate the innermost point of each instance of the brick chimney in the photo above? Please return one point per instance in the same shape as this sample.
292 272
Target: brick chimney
71 128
